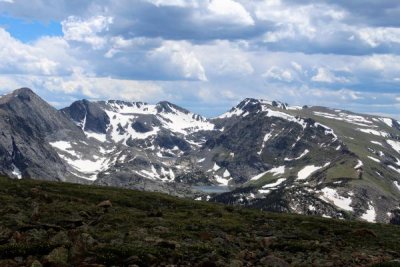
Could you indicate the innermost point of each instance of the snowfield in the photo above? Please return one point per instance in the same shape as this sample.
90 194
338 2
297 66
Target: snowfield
308 170
374 132
394 144
277 170
341 116
331 195
370 214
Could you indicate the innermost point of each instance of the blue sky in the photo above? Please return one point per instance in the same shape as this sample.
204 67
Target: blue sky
29 30
205 55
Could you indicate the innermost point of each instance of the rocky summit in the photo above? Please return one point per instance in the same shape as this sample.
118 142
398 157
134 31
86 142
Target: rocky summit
262 154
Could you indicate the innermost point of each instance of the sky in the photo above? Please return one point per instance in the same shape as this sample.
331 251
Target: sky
205 55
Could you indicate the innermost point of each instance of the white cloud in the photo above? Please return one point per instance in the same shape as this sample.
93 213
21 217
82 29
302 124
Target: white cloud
214 50
231 11
16 57
178 58
225 59
324 75
377 36
86 31
179 3
276 73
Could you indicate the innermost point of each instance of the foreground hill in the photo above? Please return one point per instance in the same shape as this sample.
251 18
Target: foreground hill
266 154
62 224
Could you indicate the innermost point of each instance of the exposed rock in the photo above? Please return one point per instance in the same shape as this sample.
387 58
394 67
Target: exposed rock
105 204
272 261
36 263
58 256
364 233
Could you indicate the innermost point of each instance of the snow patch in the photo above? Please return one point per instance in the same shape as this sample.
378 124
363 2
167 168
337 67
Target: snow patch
265 140
374 132
62 145
299 157
308 170
282 115
353 119
277 170
294 108
88 167
264 191
397 184
387 121
377 143
100 137
16 172
258 176
370 214
216 167
359 164
394 168
328 131
395 145
332 196
275 184
374 159
221 180
226 174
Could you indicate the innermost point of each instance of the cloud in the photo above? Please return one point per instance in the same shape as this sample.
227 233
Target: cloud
16 57
179 3
86 31
230 10
276 73
176 60
375 37
324 75
209 53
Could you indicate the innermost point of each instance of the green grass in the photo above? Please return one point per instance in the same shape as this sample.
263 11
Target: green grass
343 169
153 229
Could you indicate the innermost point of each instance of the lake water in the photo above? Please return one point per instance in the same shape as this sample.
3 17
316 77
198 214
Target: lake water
212 188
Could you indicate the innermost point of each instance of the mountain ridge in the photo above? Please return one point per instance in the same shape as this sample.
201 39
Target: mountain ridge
309 160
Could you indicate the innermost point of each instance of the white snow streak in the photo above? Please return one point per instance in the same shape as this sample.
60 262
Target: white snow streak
299 157
16 172
275 184
370 214
374 159
308 170
359 165
374 132
387 121
395 145
331 195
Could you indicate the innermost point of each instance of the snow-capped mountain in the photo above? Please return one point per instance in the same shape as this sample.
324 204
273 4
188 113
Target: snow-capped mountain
309 160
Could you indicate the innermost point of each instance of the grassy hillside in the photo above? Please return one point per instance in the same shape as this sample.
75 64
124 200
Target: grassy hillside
59 224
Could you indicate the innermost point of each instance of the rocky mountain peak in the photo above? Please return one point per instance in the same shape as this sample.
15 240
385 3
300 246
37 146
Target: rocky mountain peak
22 94
88 116
168 107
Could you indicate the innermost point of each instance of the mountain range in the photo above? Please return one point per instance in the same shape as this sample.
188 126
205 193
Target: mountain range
263 154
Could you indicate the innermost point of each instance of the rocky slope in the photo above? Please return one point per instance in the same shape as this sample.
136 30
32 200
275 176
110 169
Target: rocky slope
62 224
308 160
